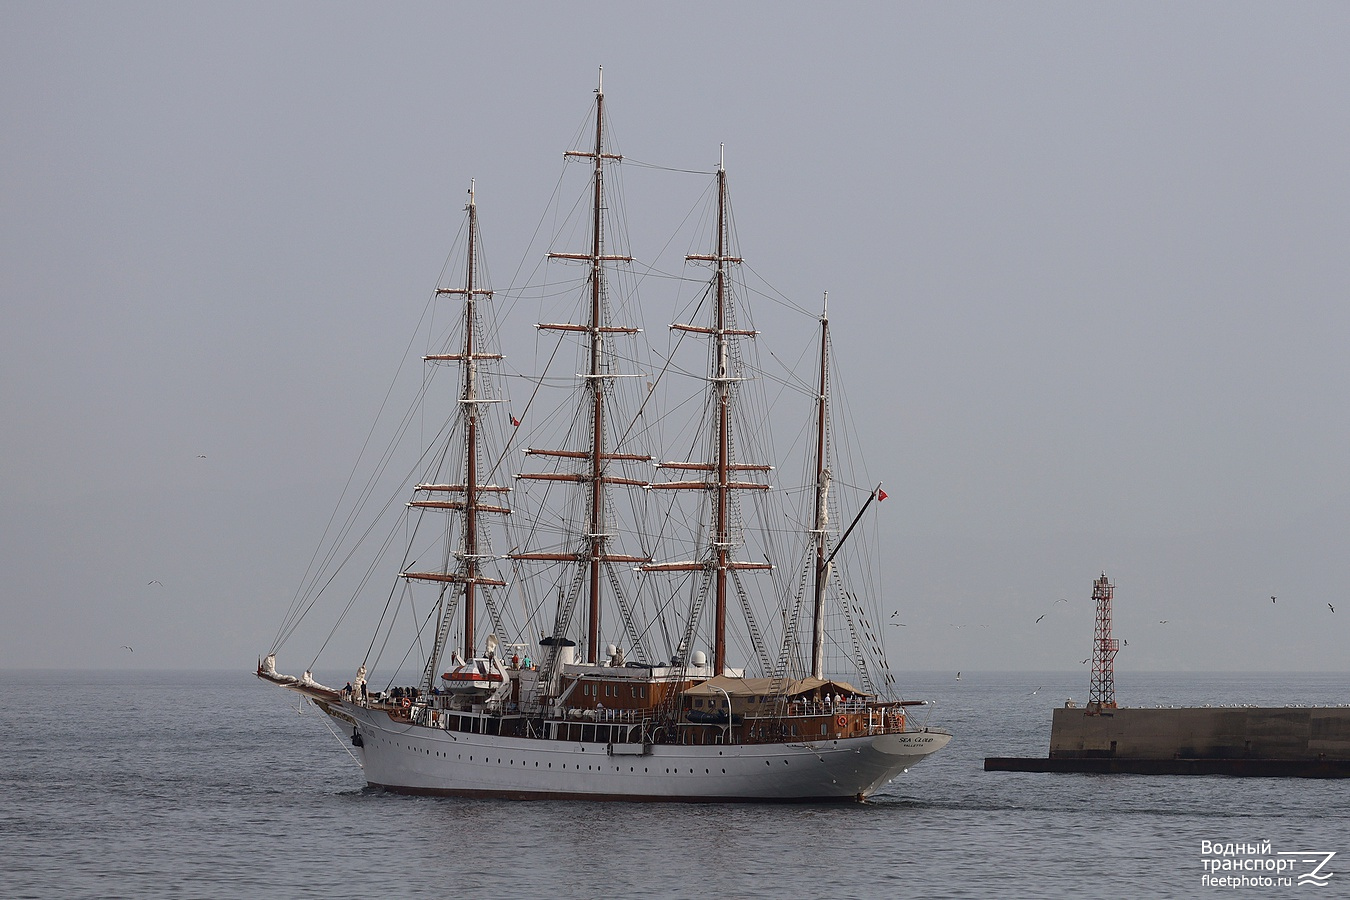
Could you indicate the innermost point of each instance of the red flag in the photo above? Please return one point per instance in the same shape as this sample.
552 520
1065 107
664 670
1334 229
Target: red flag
881 495
515 422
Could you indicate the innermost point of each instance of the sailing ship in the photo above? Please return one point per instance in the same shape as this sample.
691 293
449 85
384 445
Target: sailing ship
603 545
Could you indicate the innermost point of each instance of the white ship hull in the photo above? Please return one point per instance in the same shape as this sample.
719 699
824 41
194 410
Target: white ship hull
416 759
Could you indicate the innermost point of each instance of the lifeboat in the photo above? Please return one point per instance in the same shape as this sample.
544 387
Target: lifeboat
476 676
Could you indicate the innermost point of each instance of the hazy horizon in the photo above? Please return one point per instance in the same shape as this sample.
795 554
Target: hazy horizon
1089 263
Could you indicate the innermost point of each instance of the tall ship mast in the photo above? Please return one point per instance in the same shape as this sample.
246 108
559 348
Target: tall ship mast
459 586
724 474
605 548
598 467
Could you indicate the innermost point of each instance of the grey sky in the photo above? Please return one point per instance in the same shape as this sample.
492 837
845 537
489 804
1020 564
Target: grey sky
1091 258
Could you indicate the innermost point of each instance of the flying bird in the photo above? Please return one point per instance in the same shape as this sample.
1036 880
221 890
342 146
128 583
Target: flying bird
1041 616
156 581
958 676
1272 598
1330 607
201 456
1163 621
1052 606
125 647
901 624
1083 662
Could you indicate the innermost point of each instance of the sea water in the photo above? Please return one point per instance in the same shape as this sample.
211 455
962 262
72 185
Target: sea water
189 784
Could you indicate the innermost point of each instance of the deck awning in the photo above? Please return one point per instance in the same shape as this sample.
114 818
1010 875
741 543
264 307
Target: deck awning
766 687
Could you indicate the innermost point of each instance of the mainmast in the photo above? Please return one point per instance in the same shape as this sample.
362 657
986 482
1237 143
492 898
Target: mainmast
723 465
468 574
593 555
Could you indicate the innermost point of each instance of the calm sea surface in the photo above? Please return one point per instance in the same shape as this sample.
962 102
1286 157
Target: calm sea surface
187 785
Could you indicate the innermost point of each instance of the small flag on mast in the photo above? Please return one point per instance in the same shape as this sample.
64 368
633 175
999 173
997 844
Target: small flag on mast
881 495
515 423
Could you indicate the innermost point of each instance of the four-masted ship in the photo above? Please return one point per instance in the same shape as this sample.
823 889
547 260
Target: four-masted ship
583 718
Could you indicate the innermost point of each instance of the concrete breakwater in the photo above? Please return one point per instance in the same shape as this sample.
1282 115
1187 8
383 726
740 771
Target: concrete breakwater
1291 741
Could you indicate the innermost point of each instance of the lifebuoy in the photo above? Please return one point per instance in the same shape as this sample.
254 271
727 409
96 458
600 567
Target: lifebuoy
406 703
841 721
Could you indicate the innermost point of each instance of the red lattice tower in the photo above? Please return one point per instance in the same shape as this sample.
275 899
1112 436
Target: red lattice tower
1104 647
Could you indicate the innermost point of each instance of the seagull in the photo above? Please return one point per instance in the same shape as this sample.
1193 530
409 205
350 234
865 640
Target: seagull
958 676
1272 598
1042 616
201 456
1330 607
1061 600
901 624
1127 642
1034 693
156 581
1083 662
125 647
1163 621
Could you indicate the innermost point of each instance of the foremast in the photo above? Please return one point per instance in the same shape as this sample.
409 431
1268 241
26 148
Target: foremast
592 556
723 469
463 498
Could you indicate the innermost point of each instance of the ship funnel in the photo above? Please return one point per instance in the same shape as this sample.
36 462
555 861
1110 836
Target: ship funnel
566 648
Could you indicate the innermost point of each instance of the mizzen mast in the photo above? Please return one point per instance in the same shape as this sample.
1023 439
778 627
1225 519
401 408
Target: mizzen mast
722 467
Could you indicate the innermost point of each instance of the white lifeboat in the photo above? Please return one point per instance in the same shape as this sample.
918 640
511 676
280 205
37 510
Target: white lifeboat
478 675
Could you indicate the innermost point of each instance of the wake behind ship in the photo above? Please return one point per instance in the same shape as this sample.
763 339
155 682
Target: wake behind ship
517 593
